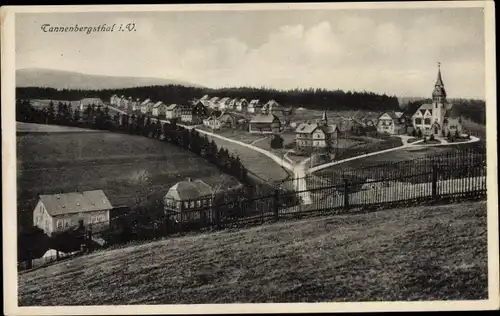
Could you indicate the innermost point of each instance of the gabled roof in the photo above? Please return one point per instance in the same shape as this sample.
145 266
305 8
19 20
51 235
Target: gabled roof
172 107
145 102
189 190
75 202
224 100
214 99
204 97
233 101
264 118
309 128
240 101
254 102
158 104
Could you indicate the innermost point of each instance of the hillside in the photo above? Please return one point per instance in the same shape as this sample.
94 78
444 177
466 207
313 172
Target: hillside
58 79
130 169
419 253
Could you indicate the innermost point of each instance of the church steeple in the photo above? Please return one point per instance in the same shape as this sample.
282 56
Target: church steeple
439 93
324 119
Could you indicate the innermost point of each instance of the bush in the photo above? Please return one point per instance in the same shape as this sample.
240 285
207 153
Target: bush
32 243
431 137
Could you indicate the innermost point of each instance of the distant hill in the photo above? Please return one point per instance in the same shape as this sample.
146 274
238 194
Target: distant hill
60 79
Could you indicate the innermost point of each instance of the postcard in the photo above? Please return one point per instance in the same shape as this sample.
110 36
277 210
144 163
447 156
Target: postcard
249 158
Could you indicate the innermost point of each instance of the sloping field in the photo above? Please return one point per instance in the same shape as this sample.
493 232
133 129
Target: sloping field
257 163
128 168
421 253
22 127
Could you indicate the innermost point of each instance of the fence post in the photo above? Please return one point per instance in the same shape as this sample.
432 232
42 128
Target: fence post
434 180
89 240
276 203
346 193
217 217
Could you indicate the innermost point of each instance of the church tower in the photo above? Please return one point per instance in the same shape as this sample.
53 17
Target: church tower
438 99
324 120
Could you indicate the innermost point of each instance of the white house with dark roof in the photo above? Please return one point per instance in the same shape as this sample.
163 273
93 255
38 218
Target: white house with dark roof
223 103
185 196
254 106
271 106
173 111
232 104
439 117
213 102
60 212
319 135
392 123
159 109
265 124
241 105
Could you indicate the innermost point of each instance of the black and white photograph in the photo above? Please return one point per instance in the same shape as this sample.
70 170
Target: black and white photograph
167 158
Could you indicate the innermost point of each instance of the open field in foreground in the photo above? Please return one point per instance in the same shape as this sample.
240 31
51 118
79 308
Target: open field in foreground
128 168
420 253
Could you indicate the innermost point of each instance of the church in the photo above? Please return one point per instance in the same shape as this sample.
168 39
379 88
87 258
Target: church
438 118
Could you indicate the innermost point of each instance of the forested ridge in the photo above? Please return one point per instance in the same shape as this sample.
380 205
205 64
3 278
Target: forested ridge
320 99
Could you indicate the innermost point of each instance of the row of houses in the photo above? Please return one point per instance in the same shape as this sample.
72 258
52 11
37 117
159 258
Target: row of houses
255 106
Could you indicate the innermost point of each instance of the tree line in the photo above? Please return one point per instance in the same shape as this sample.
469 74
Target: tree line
320 99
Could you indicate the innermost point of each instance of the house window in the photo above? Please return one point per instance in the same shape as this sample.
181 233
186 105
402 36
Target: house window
427 121
59 224
418 121
66 223
186 204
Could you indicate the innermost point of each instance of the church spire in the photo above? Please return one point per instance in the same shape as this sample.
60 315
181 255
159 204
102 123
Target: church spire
439 80
439 93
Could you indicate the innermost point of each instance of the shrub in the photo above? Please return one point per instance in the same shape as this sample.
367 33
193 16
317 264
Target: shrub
431 137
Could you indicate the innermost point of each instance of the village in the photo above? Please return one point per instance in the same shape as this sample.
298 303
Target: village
192 199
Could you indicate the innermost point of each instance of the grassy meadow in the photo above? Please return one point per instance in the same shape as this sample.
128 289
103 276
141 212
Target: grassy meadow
130 169
409 254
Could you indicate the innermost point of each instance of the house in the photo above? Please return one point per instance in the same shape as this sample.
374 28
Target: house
254 106
186 196
316 136
232 104
146 106
173 111
205 97
271 107
84 103
223 103
159 109
59 212
392 123
123 102
241 105
212 122
438 118
213 102
114 99
193 113
265 123
135 105
225 120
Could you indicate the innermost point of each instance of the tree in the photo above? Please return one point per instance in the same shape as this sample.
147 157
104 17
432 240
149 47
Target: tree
431 137
51 112
277 142
419 133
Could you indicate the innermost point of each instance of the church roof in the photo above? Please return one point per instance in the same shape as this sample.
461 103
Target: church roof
439 90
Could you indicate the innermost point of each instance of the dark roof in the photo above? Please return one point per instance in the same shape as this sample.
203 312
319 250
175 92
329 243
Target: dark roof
189 190
264 118
75 202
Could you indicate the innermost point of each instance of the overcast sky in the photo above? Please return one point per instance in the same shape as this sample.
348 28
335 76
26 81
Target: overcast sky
385 51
